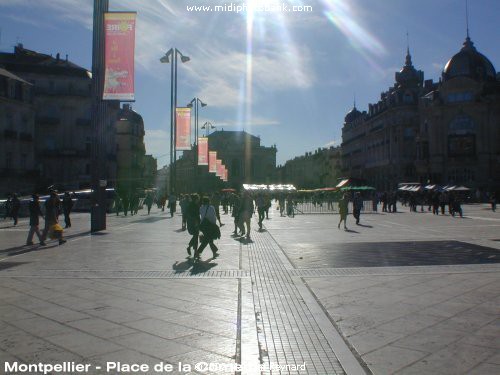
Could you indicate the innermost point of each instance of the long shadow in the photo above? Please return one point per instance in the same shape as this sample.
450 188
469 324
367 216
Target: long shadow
244 240
179 230
194 266
351 231
365 226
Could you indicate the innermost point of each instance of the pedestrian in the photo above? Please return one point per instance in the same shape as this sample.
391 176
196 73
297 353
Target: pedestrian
52 210
357 206
149 202
290 206
236 214
493 201
35 213
117 204
172 202
193 221
216 205
267 205
67 204
246 211
15 206
209 228
184 203
261 208
281 202
343 211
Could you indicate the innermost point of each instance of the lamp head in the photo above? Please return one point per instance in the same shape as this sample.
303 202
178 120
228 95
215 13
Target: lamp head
165 59
185 58
203 104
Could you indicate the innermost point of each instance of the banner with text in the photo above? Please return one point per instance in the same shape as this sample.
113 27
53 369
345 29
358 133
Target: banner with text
202 151
119 44
212 161
220 168
183 128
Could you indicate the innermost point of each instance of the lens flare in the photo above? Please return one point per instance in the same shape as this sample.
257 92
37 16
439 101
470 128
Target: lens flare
341 14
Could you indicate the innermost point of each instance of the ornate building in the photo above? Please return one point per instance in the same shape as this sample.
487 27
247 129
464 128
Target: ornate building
62 105
18 171
459 137
246 160
445 132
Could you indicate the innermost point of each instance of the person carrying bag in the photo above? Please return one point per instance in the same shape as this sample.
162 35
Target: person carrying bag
209 228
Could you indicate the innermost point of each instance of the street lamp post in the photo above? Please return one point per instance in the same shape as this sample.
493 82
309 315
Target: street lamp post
194 104
172 54
208 126
99 116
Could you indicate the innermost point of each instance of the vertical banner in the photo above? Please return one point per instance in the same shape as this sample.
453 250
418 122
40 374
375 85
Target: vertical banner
202 151
183 128
224 175
119 44
218 172
212 161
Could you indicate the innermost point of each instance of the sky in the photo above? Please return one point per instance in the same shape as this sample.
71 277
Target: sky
288 77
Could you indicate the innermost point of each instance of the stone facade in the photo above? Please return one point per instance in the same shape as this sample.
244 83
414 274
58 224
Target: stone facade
246 159
62 104
422 131
317 169
18 170
130 152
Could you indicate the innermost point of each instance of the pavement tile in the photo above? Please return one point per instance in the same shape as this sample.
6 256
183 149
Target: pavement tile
485 369
100 328
10 313
410 323
447 308
454 359
83 344
161 328
209 342
6 357
389 359
128 356
494 359
41 326
372 339
61 314
152 345
114 314
429 339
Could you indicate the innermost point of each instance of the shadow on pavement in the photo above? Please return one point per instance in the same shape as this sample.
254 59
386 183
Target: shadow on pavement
351 231
194 267
365 226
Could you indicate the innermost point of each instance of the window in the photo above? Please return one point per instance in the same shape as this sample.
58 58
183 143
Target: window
455 97
24 158
8 160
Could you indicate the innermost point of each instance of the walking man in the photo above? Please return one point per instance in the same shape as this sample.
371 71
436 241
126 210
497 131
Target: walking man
357 205
67 204
15 206
35 212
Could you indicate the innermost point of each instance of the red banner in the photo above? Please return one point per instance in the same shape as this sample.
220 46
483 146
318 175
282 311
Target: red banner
224 175
183 128
202 151
220 168
119 44
212 161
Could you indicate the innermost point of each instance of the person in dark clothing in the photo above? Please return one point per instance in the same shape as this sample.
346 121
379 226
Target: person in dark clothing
15 206
67 204
357 206
193 221
149 202
35 212
208 226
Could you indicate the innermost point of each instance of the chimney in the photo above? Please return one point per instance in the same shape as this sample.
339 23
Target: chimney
58 56
66 57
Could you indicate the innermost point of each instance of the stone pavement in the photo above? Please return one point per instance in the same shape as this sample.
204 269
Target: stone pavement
403 293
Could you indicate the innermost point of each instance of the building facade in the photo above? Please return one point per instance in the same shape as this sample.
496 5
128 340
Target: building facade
313 170
62 105
246 159
422 131
18 170
131 151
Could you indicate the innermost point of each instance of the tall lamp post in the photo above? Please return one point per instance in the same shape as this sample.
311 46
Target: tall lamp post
171 57
194 104
208 126
99 115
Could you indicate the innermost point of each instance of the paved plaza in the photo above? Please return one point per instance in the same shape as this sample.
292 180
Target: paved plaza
403 293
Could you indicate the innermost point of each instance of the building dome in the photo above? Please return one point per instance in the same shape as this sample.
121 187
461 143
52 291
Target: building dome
469 63
352 115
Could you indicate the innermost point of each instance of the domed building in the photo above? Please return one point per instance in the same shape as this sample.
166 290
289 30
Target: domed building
445 132
459 137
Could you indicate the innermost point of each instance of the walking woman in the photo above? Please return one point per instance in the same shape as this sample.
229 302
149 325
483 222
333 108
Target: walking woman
193 221
343 211
208 226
